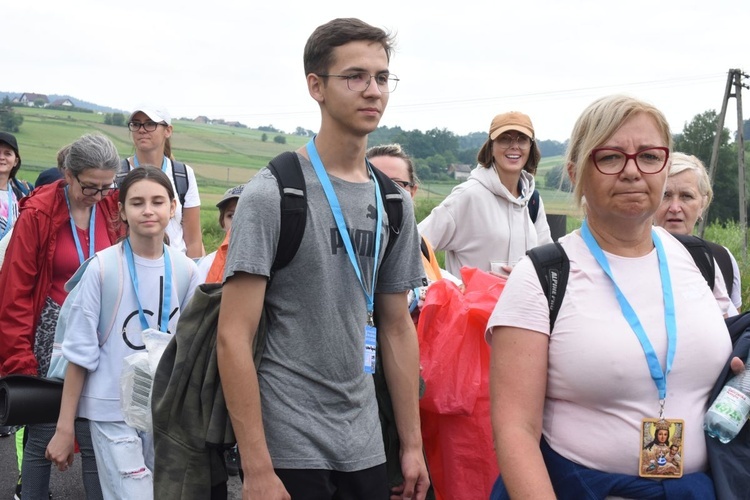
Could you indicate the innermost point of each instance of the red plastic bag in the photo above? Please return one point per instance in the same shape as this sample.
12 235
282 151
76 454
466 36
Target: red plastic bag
455 408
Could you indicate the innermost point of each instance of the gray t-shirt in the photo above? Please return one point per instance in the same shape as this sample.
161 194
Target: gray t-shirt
319 406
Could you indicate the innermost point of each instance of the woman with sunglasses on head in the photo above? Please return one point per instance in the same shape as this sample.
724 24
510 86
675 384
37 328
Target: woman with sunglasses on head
486 219
59 226
151 130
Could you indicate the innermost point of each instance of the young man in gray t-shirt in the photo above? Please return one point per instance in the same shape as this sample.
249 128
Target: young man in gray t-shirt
306 418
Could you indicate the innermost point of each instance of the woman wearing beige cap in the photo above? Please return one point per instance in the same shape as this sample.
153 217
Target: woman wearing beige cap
151 129
487 219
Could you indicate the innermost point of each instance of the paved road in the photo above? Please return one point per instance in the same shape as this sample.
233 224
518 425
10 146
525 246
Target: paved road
63 485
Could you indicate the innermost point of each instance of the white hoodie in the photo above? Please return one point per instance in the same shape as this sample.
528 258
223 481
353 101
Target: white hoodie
481 221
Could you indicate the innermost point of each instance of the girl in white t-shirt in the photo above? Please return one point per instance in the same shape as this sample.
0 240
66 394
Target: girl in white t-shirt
152 298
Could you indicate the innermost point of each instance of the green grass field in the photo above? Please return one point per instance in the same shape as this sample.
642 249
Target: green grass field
224 156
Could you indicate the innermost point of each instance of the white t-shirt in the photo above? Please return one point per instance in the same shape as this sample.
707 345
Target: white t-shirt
598 383
192 199
8 209
204 266
100 399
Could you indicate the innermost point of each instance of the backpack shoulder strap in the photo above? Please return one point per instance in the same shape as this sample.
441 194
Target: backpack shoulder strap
534 206
701 254
181 270
393 200
425 250
724 260
122 172
111 279
181 181
552 267
288 173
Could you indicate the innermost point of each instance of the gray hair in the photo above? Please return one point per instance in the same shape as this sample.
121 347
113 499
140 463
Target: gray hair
92 151
682 162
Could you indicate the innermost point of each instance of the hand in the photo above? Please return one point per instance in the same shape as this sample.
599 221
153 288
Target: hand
61 449
416 480
737 365
264 486
504 272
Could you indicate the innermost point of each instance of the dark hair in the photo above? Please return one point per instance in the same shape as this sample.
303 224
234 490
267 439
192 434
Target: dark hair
145 172
655 441
223 210
318 55
484 157
395 151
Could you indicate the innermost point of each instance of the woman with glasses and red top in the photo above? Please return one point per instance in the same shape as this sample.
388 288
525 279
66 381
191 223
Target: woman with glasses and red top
486 219
151 130
59 226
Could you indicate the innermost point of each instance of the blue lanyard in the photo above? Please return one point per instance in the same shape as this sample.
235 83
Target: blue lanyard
163 163
338 216
167 300
659 376
11 209
92 230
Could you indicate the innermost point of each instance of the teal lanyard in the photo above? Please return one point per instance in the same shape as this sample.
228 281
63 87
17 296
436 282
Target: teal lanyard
92 230
164 163
11 209
338 216
167 299
657 374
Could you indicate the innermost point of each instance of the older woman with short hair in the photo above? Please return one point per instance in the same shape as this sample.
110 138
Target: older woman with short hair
686 198
639 337
59 226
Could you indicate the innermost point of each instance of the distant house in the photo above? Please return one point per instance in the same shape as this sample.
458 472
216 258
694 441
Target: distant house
62 102
459 171
30 99
202 119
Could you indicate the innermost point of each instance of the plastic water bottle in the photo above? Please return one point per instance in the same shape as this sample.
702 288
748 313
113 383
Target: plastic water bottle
729 412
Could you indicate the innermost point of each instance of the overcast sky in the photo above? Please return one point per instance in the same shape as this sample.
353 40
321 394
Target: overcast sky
460 63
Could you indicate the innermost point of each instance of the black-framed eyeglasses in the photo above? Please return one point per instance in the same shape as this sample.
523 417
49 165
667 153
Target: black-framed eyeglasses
611 161
148 126
403 184
360 81
91 190
522 141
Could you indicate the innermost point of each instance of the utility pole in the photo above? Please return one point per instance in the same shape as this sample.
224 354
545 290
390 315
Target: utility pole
741 159
734 79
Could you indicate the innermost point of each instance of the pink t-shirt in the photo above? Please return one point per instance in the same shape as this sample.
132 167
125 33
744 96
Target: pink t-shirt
598 383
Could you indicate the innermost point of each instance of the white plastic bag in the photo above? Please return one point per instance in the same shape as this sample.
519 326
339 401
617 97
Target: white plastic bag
137 378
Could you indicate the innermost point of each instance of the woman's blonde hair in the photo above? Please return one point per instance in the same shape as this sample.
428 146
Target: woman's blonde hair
598 122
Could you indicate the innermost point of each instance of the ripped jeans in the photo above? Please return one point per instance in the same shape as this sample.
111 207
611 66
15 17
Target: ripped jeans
124 459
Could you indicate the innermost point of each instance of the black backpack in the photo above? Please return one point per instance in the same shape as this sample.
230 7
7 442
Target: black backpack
534 206
729 462
288 173
179 176
186 383
552 267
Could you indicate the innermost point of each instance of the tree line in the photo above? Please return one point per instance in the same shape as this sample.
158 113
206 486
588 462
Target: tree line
435 150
